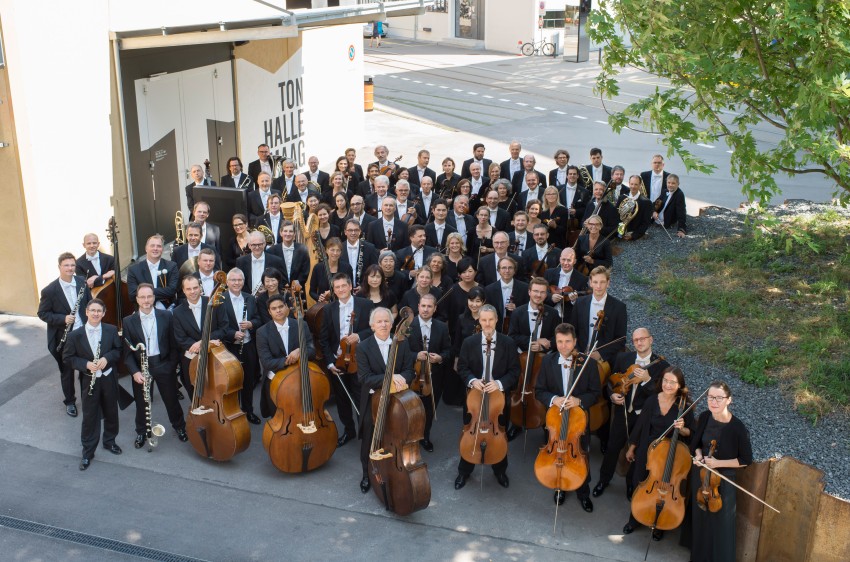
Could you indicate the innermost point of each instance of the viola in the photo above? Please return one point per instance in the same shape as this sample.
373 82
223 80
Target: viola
506 322
423 383
621 382
301 436
216 425
708 496
347 360
526 410
483 440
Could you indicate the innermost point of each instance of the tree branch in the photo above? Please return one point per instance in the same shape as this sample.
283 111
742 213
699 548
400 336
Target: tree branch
761 114
762 65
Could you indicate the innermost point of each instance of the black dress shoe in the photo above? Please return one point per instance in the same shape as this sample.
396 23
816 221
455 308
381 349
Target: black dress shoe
513 432
460 481
628 529
503 481
181 435
180 395
427 445
71 410
84 464
114 449
603 447
365 484
560 497
344 438
599 489
139 442
657 535
252 418
586 505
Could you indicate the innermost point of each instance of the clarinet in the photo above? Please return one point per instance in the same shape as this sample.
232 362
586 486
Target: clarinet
359 263
244 318
74 314
94 373
146 391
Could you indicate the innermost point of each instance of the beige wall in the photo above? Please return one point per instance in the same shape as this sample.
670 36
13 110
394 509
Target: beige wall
509 22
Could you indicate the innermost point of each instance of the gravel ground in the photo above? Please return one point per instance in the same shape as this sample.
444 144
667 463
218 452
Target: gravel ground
776 430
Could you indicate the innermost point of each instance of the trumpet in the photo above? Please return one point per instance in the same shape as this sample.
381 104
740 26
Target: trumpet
180 233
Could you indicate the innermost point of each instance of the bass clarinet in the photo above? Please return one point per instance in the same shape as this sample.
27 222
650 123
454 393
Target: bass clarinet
94 373
152 431
74 314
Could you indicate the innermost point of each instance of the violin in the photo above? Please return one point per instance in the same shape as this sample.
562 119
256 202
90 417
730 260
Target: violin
621 382
659 502
410 216
409 263
302 435
562 464
506 322
538 267
483 440
526 410
347 360
423 383
389 168
396 471
708 496
216 425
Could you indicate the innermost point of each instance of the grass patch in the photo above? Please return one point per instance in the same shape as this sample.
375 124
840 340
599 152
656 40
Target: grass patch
772 304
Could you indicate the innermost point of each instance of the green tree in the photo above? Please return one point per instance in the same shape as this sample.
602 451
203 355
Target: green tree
732 64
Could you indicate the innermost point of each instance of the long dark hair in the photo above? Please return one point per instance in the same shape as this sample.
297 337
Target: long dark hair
680 378
365 289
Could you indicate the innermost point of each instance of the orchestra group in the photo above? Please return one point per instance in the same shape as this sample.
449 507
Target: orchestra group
395 290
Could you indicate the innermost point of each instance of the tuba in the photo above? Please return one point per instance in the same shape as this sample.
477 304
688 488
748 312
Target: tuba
586 178
277 165
627 210
180 233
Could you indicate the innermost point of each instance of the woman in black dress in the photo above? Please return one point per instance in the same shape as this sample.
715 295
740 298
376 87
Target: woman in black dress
507 201
422 287
341 213
239 242
454 390
447 181
592 249
555 216
397 282
320 286
658 413
483 242
455 252
455 303
713 534
436 262
326 230
373 286
272 282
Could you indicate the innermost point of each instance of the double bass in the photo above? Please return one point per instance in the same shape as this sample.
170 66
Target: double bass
302 435
526 410
113 292
396 470
216 425
315 314
483 440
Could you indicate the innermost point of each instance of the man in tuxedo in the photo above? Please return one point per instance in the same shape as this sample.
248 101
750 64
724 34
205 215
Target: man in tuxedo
199 179
336 328
295 256
429 341
210 233
273 217
478 187
286 182
254 264
519 238
207 268
417 249
161 274
278 347
626 407
438 230
366 187
316 176
461 221
533 191
353 167
616 187
237 178
94 265
558 175
615 320
499 217
358 213
506 293
599 205
477 158
372 357
95 350
263 163
672 205
565 276
192 248
388 231
557 375
382 153
404 205
153 329
519 181
513 164
375 200
542 255
573 196
357 253
596 169
655 180
488 362
243 318
421 170
189 318
638 226
302 190
258 200
427 200
58 309
489 265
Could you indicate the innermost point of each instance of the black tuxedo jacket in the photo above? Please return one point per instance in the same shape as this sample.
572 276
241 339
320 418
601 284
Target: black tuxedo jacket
357 170
646 177
187 331
244 180
232 323
493 295
529 256
164 336
431 234
577 281
378 238
180 255
512 241
453 179
244 263
266 220
370 204
550 381
485 166
613 325
520 329
370 257
254 169
413 176
553 178
609 215
524 197
606 176
643 391
365 220
139 273
675 213
439 343
280 184
506 169
504 363
516 181
640 224
213 237
371 368
402 254
469 220
579 202
295 196
270 348
423 215
365 188
190 193
300 267
602 252
256 209
78 352
503 220
487 273
53 308
86 269
329 335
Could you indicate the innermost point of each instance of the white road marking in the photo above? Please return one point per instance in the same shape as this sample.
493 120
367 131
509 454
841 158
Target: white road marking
472 93
405 79
456 90
579 117
705 145
503 99
539 108
601 122
520 103
444 87
428 84
559 112
417 81
486 96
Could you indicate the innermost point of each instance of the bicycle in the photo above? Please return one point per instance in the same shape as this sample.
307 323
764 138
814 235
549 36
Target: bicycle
542 46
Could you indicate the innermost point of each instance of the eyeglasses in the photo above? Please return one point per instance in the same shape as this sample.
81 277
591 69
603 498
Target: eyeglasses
641 339
257 245
717 399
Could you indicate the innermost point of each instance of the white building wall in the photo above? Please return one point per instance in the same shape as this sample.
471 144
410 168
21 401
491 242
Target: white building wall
509 23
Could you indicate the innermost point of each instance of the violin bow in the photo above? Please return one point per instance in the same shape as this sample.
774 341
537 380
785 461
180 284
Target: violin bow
578 376
688 409
612 342
703 465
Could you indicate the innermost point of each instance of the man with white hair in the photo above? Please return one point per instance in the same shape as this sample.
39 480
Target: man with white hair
243 319
254 264
198 180
375 201
388 231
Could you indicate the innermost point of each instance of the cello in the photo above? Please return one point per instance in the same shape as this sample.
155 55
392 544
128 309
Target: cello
526 410
302 435
396 471
483 440
113 292
216 425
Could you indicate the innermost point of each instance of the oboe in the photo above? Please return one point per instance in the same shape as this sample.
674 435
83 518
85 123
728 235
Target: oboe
94 373
244 318
74 314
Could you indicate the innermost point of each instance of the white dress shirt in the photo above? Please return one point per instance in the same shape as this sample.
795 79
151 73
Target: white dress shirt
561 175
655 185
95 262
266 167
507 290
345 310
571 194
566 375
94 335
425 327
492 357
207 284
388 227
521 240
274 221
258 266
640 362
70 291
151 335
193 252
461 226
595 307
238 304
596 173
515 165
532 318
440 230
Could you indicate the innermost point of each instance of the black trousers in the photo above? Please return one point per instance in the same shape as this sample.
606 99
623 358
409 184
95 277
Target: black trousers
344 408
66 377
104 399
437 392
166 382
367 430
184 376
616 440
464 467
267 406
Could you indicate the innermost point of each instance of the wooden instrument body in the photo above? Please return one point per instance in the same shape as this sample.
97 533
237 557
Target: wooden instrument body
526 410
483 440
315 317
708 495
668 468
422 383
601 410
347 360
562 463
106 293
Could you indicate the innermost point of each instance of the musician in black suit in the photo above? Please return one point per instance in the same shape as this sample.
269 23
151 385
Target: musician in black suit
243 318
316 176
358 213
189 318
263 163
638 226
258 200
437 231
489 265
542 255
519 181
356 252
254 264
353 167
95 350
508 292
302 190
375 200
533 190
426 200
499 217
573 196
56 309
296 257
388 223
672 207
475 354
606 211
626 408
158 272
478 158
655 180
513 164
463 223
421 170
525 315
272 218
237 178
558 175
614 321
519 238
565 275
417 250
192 248
278 347
95 266
372 355
557 375
337 325
366 187
210 233
596 170
152 328
199 180
448 177
286 181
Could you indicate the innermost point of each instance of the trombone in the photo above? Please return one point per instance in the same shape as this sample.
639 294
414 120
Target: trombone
180 232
